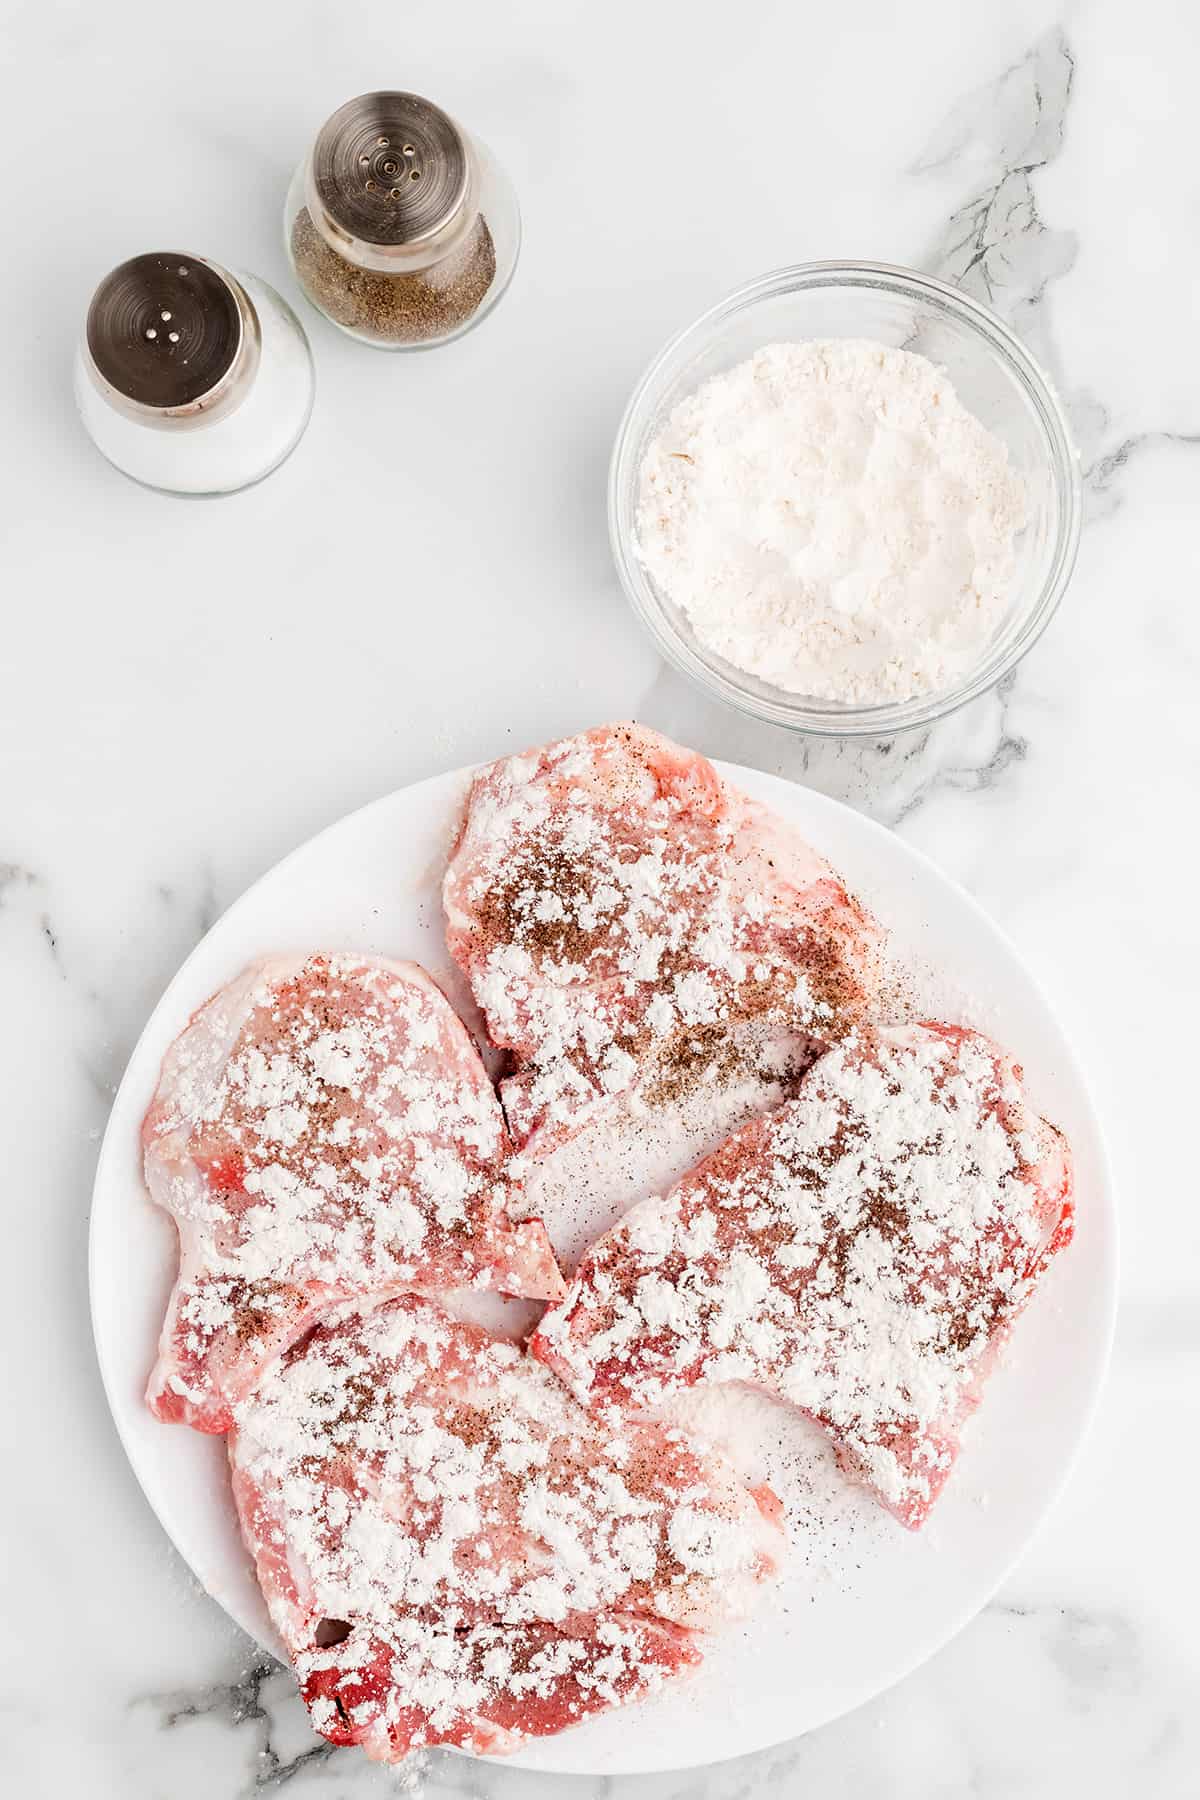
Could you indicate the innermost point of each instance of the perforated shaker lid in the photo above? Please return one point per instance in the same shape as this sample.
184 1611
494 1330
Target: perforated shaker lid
172 336
391 181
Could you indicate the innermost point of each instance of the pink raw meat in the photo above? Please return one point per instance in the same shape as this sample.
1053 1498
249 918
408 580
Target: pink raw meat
323 1128
629 922
861 1253
453 1552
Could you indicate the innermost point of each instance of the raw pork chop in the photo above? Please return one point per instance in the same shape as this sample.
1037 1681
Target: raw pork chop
860 1252
627 921
453 1552
323 1128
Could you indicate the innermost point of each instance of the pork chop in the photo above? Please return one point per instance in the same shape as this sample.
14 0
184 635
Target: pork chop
324 1128
860 1253
453 1552
628 921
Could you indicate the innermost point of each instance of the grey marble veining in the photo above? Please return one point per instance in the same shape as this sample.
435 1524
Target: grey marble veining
996 244
1067 1673
190 690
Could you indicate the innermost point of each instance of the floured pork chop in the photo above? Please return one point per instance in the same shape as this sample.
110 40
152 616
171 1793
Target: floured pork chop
453 1552
861 1253
323 1128
628 922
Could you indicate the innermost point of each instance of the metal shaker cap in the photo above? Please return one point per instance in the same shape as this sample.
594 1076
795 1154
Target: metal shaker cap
391 180
172 337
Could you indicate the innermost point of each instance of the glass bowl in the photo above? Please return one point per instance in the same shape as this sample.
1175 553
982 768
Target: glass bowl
995 377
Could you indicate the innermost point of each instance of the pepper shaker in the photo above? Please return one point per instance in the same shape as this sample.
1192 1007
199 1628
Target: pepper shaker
400 227
189 378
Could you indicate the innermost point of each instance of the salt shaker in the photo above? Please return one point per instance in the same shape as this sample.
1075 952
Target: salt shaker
401 228
189 378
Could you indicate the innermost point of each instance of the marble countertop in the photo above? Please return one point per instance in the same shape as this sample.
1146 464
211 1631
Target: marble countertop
190 690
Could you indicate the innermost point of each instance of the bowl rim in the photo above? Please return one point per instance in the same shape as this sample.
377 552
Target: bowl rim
832 720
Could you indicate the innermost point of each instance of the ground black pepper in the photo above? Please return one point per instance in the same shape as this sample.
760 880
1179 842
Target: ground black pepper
401 309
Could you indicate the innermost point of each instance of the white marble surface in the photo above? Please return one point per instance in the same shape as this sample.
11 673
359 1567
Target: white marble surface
190 689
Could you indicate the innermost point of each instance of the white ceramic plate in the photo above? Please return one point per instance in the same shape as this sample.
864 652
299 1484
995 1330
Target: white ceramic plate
834 1635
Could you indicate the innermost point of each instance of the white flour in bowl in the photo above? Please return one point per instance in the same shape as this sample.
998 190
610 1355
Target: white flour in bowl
832 519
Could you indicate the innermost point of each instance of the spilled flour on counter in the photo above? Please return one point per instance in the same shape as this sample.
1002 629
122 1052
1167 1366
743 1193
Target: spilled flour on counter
832 519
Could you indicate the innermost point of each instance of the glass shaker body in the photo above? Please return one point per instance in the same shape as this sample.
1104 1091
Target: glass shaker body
399 225
190 378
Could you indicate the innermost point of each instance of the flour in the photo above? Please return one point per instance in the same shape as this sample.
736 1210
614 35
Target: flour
454 1551
860 1253
832 519
323 1128
628 921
